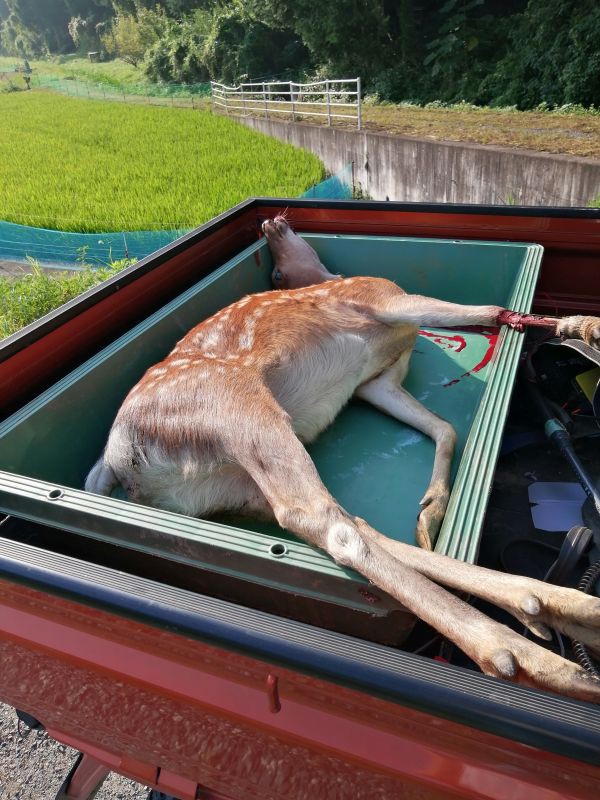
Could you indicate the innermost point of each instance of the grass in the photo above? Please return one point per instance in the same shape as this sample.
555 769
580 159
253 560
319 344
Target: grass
113 73
26 299
566 130
86 165
569 130
115 79
90 166
560 131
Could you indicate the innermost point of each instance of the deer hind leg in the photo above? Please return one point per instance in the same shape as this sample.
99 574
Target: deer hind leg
417 310
537 605
385 393
585 328
287 477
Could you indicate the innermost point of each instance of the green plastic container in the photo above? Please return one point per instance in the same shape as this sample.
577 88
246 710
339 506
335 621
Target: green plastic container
375 466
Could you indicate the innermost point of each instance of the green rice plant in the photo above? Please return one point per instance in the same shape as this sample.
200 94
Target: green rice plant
23 300
93 166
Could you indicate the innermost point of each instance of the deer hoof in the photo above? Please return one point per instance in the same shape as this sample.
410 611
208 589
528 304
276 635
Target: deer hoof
505 664
433 507
429 523
585 328
517 659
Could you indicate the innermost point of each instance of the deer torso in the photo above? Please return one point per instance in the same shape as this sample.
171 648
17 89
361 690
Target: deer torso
308 348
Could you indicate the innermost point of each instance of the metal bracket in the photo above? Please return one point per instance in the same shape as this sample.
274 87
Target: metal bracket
84 779
31 722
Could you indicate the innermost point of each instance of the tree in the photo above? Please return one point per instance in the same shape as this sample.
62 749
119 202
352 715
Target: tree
33 28
131 36
554 56
239 45
177 54
515 52
464 49
346 37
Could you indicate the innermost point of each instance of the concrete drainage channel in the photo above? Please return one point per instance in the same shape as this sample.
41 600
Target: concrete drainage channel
408 169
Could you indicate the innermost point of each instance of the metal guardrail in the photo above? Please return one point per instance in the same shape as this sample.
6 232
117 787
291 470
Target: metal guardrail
330 99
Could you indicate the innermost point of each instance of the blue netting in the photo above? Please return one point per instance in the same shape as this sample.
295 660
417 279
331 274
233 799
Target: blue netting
20 242
150 93
72 250
337 187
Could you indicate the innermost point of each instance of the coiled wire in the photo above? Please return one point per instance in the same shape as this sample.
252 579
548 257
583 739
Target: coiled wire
580 650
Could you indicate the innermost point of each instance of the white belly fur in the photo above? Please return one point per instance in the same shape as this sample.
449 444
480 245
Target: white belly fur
314 387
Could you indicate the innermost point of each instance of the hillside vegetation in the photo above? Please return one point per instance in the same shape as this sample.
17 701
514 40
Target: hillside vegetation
488 52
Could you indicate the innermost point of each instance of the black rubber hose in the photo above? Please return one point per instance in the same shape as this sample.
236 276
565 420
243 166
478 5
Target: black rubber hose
561 439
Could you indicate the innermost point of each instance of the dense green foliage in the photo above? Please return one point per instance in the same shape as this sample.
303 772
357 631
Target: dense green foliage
553 57
109 166
23 300
499 52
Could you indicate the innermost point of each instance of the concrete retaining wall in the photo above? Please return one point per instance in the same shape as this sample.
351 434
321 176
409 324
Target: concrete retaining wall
405 168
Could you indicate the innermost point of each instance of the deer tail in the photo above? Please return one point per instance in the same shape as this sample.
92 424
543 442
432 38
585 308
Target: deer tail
101 478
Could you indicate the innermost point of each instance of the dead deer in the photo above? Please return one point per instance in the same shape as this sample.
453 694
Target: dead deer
220 424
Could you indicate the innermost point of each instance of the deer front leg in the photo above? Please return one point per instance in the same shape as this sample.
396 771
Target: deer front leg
385 394
281 467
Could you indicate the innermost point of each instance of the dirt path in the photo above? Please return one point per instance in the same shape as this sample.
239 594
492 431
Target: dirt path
16 269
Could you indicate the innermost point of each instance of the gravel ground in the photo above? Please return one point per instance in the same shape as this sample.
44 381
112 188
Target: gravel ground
33 766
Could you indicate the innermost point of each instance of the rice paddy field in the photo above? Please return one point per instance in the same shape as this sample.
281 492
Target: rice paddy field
85 165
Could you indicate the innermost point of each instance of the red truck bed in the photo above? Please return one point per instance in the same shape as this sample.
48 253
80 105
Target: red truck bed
203 698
